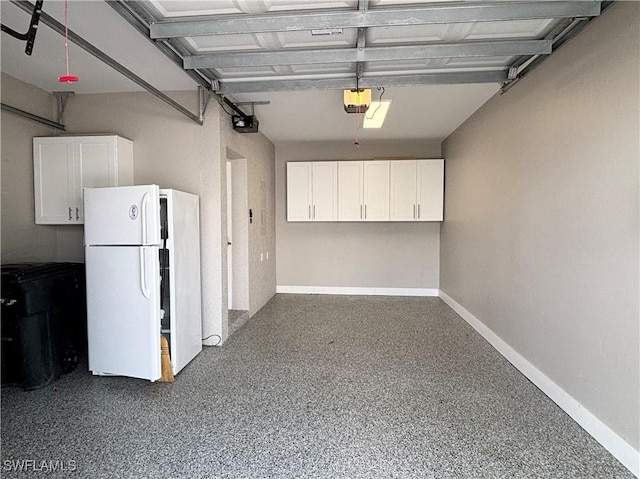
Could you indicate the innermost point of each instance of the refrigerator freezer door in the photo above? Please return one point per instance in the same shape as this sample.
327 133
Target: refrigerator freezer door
126 215
123 311
184 253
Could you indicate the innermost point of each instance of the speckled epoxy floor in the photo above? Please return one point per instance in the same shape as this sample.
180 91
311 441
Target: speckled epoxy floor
312 387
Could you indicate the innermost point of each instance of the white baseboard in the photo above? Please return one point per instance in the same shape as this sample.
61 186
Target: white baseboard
618 447
357 291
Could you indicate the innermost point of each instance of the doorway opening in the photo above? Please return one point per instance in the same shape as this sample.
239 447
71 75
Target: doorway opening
237 241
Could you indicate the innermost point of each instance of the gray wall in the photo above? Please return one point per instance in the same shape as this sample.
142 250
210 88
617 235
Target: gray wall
260 155
169 150
540 239
174 152
383 255
22 240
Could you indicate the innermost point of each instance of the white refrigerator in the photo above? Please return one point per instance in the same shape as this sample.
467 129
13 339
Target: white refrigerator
142 255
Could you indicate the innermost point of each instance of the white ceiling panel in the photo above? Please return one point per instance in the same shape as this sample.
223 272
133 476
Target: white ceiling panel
186 8
514 29
222 43
269 41
249 72
458 32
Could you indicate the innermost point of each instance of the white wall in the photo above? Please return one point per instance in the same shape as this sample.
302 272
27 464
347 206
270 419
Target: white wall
373 255
541 233
22 239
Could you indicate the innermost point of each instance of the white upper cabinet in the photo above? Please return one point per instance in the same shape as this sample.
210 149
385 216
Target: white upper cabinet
53 168
430 192
299 191
417 188
324 191
63 166
350 191
312 191
363 190
403 181
378 190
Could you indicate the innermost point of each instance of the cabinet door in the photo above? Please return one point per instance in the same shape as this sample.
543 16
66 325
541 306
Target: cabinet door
324 191
95 167
430 190
376 190
403 187
124 160
298 191
55 199
350 191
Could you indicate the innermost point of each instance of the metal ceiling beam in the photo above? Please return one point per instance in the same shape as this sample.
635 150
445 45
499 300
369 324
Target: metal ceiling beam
371 54
361 42
125 10
380 17
136 14
283 84
103 57
32 117
560 37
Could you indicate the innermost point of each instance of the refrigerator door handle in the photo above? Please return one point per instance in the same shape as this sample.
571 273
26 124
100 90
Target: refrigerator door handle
143 275
143 218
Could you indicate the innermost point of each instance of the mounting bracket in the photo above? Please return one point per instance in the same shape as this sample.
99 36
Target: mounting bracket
203 101
62 98
30 36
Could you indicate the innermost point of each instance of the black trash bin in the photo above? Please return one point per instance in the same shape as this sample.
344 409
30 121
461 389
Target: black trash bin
43 310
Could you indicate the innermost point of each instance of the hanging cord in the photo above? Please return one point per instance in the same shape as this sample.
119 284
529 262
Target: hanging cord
379 103
68 78
358 114
66 36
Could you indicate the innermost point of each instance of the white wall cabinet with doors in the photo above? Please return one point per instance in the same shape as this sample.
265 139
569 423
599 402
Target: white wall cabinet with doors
363 190
377 190
64 165
312 191
416 190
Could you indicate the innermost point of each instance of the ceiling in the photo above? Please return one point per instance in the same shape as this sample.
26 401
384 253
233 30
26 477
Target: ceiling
436 61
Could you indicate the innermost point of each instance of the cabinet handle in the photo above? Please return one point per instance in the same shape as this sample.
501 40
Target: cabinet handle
414 212
365 212
418 211
70 213
309 211
360 211
78 214
314 212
